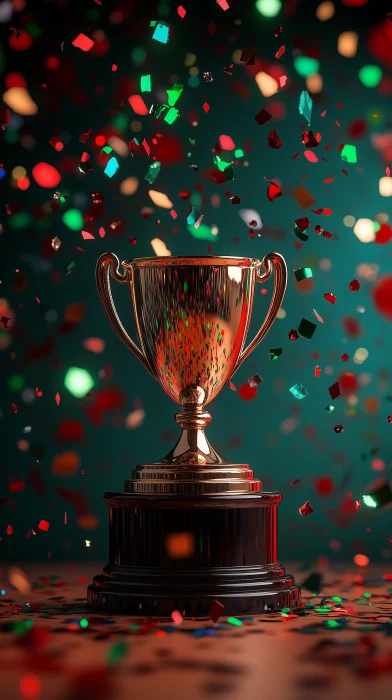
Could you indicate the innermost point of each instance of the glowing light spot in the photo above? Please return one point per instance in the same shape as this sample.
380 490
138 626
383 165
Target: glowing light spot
361 560
378 465
267 84
369 501
100 140
360 355
385 187
348 44
18 172
129 186
364 230
135 419
30 686
268 8
305 65
160 199
73 219
78 381
46 175
159 247
370 76
66 463
94 345
137 104
349 220
314 83
19 100
325 11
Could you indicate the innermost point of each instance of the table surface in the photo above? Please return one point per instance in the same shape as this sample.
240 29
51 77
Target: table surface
336 649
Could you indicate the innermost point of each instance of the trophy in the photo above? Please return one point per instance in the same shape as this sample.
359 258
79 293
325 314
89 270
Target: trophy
192 529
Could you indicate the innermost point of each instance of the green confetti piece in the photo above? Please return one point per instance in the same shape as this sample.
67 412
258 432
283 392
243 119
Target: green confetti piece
305 105
275 353
238 153
174 93
366 595
67 269
349 154
153 171
300 234
336 599
83 623
330 408
73 219
116 653
224 167
303 273
107 149
298 391
145 83
369 501
161 33
193 216
234 621
171 115
306 328
332 624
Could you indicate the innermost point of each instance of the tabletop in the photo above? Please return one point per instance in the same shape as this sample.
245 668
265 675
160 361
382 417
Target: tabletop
52 647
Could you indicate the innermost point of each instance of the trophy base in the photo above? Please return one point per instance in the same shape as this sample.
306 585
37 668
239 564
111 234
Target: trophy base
185 552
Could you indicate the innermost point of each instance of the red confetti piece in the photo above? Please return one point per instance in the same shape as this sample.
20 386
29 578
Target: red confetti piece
102 232
344 357
328 180
296 481
16 486
223 4
306 509
338 428
83 42
334 390
282 81
114 67
137 104
87 236
206 107
14 407
9 530
387 171
38 391
173 214
274 140
216 610
232 386
318 316
181 11
44 525
330 297
354 286
280 52
263 117
311 157
273 191
57 399
389 418
317 371
293 334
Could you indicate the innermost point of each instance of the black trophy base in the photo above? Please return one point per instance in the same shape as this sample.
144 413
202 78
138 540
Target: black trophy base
233 558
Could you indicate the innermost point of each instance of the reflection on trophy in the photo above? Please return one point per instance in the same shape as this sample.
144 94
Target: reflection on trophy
192 316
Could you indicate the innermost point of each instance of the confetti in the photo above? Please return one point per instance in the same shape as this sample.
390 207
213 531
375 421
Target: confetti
306 509
216 610
161 33
306 328
299 391
328 296
275 353
111 166
348 154
338 428
83 42
303 273
255 380
263 117
181 11
274 140
305 105
354 286
334 391
145 83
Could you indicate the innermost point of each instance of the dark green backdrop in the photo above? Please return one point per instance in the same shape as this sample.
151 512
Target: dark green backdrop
284 439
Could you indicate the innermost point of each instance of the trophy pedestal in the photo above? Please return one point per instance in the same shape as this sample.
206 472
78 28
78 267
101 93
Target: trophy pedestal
233 559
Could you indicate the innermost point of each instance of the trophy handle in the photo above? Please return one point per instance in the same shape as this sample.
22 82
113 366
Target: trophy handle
109 264
273 262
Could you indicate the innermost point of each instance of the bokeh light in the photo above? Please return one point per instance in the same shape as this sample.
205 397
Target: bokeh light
78 381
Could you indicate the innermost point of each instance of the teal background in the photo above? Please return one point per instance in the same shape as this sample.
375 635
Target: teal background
242 431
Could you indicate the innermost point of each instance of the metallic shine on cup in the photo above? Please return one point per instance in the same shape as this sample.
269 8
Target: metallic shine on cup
192 317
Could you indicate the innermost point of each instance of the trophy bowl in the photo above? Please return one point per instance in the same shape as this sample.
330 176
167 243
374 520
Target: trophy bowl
192 317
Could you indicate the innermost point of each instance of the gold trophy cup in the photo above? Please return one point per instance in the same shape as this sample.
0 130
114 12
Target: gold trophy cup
192 317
